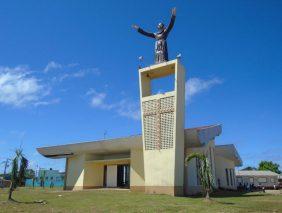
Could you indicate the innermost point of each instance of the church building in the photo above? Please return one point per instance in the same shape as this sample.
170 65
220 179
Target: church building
154 161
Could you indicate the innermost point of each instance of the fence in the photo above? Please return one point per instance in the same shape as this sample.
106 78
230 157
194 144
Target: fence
5 183
29 183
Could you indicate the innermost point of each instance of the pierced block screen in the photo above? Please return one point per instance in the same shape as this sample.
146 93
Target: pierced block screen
158 115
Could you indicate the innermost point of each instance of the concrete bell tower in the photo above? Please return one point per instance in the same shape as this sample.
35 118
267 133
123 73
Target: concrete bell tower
163 129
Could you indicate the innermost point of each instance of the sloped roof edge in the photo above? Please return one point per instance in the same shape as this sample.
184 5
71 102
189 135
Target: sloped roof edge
123 144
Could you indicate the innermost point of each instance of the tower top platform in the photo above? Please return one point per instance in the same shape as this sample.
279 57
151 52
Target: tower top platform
160 70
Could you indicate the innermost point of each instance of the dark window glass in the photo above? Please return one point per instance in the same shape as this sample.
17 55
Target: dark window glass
227 177
231 177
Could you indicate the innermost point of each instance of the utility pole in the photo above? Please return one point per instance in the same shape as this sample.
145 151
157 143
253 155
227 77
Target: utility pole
6 166
105 133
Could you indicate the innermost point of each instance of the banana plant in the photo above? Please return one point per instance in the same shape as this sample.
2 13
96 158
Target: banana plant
19 166
204 172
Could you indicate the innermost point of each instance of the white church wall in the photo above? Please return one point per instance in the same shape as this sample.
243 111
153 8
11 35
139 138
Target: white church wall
75 172
222 165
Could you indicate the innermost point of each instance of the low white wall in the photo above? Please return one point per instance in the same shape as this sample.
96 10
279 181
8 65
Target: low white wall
270 180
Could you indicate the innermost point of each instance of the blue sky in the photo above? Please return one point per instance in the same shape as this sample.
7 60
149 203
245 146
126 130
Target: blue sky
68 71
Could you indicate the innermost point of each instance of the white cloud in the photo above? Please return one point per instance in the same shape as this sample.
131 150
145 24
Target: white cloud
124 108
195 86
45 103
52 65
128 109
18 88
131 109
98 99
73 64
78 74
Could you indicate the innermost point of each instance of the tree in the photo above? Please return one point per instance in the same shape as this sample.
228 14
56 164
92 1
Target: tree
19 166
249 168
269 165
204 171
42 178
6 165
29 174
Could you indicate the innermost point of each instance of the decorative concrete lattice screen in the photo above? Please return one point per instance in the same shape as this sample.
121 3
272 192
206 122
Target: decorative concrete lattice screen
158 123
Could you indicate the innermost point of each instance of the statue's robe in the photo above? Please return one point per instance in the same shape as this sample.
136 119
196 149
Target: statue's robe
161 51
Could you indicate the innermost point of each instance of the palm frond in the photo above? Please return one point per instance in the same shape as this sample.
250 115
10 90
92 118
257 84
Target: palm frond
23 167
14 172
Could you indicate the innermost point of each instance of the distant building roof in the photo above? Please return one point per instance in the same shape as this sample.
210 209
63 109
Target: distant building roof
255 173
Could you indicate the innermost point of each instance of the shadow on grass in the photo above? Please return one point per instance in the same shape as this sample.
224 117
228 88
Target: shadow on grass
211 200
224 194
229 194
30 202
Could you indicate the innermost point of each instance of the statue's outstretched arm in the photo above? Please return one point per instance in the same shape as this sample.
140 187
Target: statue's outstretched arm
172 20
143 32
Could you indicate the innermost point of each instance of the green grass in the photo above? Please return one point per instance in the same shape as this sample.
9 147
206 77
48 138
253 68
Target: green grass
126 201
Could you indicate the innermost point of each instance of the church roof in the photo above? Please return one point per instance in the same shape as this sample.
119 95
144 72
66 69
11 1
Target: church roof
197 136
109 146
229 151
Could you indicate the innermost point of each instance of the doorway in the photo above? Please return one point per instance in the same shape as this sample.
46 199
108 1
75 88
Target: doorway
123 176
117 176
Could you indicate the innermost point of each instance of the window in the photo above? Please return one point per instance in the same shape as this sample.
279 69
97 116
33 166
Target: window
272 180
227 177
262 180
239 179
231 177
198 170
251 179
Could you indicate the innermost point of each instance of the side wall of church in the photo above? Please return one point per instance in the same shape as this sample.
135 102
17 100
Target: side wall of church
192 181
225 173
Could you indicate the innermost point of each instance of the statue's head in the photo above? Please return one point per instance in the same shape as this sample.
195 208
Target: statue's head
160 27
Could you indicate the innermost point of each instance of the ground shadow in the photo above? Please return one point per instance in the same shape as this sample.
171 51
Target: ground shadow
28 202
224 194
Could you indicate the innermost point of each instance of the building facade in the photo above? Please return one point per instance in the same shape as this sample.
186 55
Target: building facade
154 161
266 179
46 177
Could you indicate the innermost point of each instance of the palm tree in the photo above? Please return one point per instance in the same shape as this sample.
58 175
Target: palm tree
204 171
19 166
6 165
42 178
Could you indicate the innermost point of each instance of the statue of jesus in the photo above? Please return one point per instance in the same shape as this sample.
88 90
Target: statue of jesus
161 52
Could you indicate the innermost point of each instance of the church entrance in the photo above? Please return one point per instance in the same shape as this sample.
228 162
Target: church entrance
123 176
117 176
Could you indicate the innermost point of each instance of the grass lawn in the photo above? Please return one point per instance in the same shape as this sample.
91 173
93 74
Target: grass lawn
126 201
